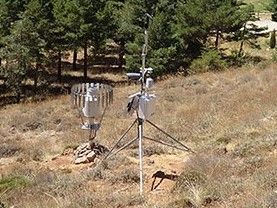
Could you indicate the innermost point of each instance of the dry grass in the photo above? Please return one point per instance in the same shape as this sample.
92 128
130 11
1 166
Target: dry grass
228 118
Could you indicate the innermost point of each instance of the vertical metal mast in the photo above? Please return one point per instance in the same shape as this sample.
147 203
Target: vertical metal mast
140 134
143 55
140 120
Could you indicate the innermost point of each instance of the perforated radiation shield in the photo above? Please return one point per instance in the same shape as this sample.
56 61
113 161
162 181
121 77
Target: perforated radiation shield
144 105
91 100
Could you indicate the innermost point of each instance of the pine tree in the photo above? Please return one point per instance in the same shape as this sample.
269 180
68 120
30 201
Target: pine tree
246 35
66 29
4 24
131 27
197 20
222 16
10 11
18 52
162 46
190 29
114 21
163 54
39 14
81 23
92 29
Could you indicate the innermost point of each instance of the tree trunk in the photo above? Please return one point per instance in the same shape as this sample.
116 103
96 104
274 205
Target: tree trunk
36 77
242 41
18 94
121 54
0 61
60 67
74 66
85 60
241 48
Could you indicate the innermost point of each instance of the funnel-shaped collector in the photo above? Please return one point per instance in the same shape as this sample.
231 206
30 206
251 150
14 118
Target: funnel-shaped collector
91 100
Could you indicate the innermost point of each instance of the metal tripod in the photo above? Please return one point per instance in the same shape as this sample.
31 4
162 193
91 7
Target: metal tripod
139 121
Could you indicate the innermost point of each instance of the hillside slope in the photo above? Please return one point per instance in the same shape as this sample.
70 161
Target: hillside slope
229 119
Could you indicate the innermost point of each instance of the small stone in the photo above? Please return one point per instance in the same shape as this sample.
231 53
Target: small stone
91 156
80 152
82 147
90 145
84 153
80 160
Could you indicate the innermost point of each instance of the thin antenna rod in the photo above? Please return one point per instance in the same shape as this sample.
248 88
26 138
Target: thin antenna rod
143 56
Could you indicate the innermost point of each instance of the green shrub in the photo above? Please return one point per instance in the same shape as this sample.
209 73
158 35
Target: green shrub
210 60
188 179
162 60
133 56
272 41
13 182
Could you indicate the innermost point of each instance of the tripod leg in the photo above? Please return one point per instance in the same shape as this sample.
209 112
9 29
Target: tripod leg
123 135
123 147
187 148
164 143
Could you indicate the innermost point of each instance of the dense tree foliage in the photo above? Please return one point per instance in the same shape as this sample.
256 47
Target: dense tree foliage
35 32
273 8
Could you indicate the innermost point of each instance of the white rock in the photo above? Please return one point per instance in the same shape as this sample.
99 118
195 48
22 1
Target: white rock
80 160
91 156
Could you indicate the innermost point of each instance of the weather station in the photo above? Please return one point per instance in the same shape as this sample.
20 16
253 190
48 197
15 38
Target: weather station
142 104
